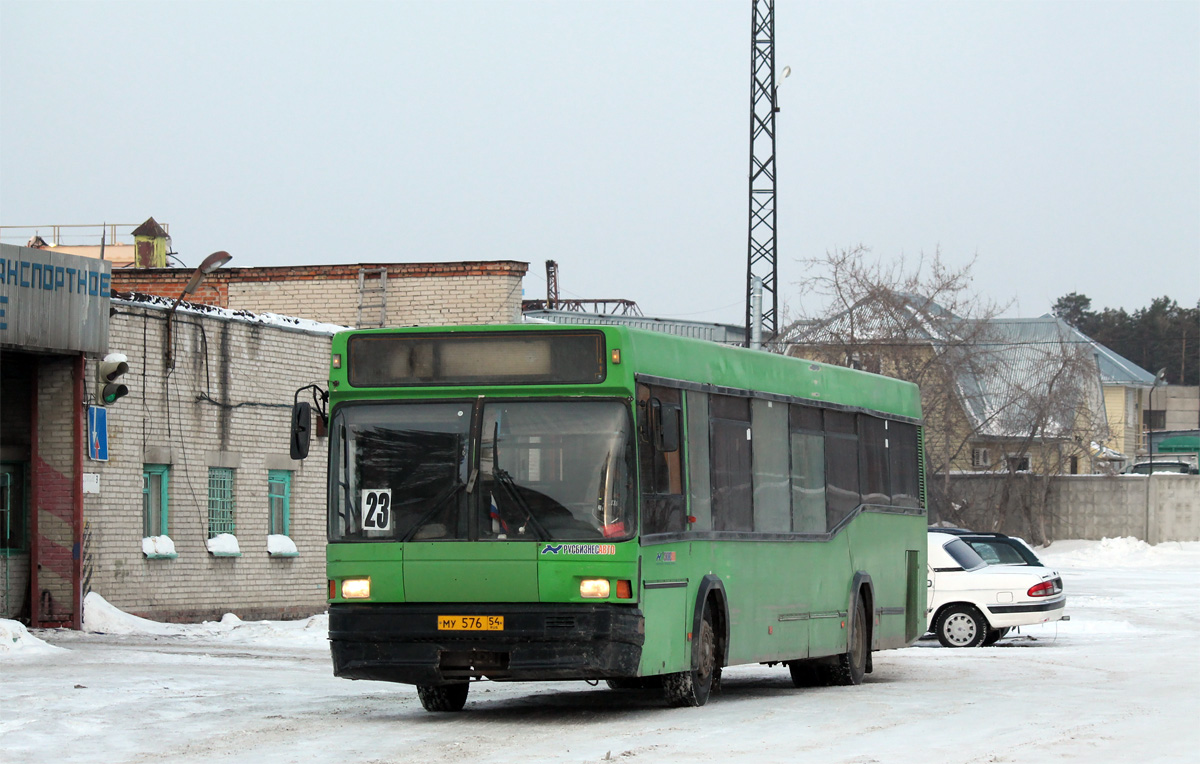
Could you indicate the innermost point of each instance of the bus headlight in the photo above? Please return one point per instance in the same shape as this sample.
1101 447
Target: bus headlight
356 588
594 588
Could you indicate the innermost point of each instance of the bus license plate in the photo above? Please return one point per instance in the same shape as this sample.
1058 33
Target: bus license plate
470 623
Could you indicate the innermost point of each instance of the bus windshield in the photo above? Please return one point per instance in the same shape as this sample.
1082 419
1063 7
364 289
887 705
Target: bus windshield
532 470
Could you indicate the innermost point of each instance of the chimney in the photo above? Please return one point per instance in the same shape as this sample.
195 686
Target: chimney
150 245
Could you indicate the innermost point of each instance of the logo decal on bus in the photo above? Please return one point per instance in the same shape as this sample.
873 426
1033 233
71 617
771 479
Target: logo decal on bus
665 557
579 549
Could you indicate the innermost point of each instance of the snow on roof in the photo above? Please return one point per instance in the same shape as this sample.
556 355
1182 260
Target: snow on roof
143 300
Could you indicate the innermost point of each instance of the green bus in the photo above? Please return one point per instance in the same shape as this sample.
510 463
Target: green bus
542 502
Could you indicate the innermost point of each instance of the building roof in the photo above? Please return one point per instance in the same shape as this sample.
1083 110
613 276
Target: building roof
726 334
150 228
1009 367
1031 377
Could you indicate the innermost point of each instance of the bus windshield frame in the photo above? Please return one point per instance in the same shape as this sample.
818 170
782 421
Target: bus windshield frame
494 469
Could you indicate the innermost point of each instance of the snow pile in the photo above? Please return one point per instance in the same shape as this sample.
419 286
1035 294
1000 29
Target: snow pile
281 545
100 617
224 544
15 640
1125 552
158 545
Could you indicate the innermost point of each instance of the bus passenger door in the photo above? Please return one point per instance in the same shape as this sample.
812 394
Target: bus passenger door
664 603
664 511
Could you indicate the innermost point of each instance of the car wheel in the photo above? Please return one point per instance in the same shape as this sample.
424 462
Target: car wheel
691 688
443 697
961 626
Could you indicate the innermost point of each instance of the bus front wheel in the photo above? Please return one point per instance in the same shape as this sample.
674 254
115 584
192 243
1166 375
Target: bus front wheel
692 688
443 697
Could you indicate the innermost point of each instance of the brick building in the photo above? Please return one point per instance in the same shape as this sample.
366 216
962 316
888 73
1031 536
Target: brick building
193 507
365 295
199 448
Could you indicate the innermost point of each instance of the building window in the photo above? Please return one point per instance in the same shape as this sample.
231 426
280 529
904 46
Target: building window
1018 463
154 500
221 506
1154 419
981 457
279 498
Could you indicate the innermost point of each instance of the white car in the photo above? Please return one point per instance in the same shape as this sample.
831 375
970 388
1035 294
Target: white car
973 604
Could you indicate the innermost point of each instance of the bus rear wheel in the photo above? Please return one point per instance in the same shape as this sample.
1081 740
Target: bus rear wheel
851 665
692 688
443 697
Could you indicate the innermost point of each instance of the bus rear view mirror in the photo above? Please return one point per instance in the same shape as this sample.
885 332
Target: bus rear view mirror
301 429
665 421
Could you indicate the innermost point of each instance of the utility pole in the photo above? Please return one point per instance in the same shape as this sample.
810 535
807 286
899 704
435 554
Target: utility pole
761 261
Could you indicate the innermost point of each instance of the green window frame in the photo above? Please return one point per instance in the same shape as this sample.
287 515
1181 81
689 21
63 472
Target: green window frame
155 502
279 500
222 507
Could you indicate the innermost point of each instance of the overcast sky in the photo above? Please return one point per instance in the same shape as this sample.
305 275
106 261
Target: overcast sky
1057 141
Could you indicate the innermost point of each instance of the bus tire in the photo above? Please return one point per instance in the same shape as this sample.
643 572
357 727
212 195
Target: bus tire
443 697
692 688
851 665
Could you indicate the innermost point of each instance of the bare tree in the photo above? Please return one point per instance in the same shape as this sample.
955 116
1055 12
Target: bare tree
923 323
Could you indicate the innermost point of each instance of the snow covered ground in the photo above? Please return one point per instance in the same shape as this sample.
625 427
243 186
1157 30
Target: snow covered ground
1120 682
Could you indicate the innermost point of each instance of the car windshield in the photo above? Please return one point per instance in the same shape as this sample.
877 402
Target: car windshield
964 555
530 470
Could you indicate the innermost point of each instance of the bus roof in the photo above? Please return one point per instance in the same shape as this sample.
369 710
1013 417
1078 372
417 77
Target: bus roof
708 365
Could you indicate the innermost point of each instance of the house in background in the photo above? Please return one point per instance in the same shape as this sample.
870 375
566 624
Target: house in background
1002 394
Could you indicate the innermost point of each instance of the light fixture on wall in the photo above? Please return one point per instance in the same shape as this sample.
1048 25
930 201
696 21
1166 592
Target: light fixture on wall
210 264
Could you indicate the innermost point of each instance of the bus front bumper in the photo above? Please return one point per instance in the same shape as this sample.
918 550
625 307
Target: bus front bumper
402 642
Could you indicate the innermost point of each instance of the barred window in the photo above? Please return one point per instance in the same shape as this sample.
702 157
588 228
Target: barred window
221 505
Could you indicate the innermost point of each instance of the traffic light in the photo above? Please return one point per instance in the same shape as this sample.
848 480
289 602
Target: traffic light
108 389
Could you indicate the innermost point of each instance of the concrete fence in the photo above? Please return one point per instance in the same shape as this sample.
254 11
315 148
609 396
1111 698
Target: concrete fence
1153 508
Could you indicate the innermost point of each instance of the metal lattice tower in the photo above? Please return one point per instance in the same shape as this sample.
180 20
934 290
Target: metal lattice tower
551 285
763 250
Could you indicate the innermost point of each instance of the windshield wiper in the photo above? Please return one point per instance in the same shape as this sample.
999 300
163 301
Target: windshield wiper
510 489
438 502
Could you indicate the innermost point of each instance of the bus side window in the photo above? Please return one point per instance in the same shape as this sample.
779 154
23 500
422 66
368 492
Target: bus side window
697 460
807 469
663 503
842 492
730 465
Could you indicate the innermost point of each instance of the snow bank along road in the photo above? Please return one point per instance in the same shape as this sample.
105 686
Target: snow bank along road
1119 683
